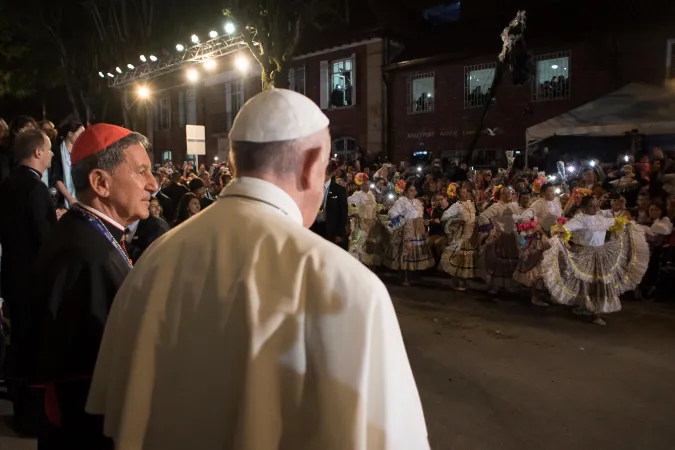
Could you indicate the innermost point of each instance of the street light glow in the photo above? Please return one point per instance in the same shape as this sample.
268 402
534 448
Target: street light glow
229 28
180 47
100 74
130 66
111 75
192 75
118 70
241 63
592 163
209 64
143 92
143 58
213 34
153 58
194 39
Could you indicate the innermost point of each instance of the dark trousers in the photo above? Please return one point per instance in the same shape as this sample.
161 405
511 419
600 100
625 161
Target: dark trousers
321 229
78 430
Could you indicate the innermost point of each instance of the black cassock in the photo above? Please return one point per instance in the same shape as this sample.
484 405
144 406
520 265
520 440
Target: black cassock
79 272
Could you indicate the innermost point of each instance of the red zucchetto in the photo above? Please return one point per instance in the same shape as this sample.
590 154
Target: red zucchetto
96 138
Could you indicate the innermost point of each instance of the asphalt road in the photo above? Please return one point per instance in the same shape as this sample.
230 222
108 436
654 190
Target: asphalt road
499 373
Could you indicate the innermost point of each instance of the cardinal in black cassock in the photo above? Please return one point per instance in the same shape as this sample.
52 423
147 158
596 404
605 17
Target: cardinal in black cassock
79 271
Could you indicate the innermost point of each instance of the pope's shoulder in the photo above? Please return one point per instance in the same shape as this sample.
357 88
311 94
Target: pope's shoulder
255 236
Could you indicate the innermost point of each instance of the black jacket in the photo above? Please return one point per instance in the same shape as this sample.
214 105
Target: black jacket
148 230
336 215
168 208
26 220
175 192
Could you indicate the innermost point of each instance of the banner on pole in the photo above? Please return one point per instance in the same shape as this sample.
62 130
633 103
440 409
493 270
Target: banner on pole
196 139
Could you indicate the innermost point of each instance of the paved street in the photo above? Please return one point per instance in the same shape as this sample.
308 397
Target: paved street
506 375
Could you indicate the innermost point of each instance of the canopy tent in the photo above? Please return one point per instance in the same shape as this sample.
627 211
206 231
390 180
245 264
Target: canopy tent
637 107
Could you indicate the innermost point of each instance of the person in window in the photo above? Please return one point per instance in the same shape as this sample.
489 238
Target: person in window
337 97
187 207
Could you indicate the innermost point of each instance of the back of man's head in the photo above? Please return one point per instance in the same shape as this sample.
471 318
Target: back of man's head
272 130
26 143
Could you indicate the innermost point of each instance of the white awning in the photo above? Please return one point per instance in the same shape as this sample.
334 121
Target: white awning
637 106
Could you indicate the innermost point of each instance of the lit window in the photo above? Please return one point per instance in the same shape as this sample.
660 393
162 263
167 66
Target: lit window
477 83
552 81
344 148
341 85
421 93
298 82
166 156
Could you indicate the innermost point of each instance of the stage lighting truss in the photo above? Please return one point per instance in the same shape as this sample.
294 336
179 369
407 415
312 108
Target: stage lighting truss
196 54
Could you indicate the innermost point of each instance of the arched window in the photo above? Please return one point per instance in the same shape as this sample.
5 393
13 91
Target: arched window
344 148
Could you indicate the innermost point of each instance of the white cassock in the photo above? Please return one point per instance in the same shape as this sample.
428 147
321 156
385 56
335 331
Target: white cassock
243 330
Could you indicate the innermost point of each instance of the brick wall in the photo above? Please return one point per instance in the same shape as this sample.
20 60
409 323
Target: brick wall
450 126
349 121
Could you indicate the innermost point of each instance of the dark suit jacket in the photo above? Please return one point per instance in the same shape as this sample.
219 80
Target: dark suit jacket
26 220
175 192
336 213
168 210
148 230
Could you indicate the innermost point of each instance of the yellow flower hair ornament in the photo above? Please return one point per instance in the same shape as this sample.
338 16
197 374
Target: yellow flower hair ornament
400 187
567 234
452 190
360 178
495 192
619 225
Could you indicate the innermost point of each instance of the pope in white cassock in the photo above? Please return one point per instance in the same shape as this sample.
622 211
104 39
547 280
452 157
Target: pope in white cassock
241 329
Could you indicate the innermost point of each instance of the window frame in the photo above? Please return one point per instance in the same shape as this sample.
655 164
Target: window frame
536 95
410 81
345 152
329 84
468 70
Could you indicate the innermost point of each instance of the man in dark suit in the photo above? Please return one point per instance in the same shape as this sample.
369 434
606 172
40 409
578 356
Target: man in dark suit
140 235
27 218
175 190
165 202
331 223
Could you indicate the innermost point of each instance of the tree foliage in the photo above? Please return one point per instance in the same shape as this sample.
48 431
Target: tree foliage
15 81
273 28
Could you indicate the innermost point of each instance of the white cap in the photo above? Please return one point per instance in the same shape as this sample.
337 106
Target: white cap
277 115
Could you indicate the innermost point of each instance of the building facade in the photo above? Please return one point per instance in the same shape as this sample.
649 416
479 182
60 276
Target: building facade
344 80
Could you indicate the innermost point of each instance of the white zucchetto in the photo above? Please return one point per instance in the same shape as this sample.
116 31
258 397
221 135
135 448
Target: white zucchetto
277 115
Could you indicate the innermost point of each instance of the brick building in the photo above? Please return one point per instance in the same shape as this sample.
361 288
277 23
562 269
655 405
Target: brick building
344 79
437 93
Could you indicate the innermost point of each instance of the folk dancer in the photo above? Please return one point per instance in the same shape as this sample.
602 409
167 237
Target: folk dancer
459 256
364 242
409 249
592 274
499 257
542 214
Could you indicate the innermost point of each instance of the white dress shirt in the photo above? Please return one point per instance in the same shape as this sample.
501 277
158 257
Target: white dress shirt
589 230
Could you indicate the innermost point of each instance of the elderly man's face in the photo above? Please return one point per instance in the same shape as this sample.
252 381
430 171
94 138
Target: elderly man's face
132 185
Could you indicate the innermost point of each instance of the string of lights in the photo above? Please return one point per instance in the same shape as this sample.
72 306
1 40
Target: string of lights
204 53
